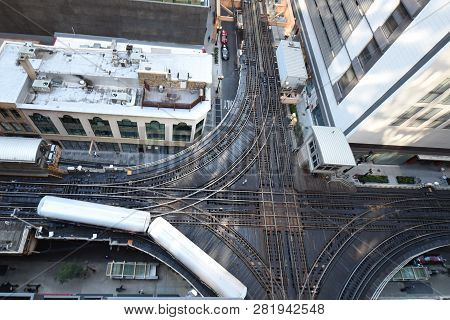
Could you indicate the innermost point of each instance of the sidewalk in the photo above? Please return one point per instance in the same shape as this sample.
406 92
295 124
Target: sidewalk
423 174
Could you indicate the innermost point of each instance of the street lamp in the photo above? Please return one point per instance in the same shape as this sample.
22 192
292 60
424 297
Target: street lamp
220 78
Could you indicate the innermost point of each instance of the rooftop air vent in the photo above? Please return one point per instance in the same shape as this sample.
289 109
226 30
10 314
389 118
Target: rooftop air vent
41 85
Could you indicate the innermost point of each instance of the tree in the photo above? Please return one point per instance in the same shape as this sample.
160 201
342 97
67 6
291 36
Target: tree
69 271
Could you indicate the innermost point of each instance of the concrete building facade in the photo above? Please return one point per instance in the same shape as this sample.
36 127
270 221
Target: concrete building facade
104 96
382 70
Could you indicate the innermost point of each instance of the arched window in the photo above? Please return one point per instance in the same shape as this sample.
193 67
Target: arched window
128 129
44 124
182 132
155 130
100 127
73 126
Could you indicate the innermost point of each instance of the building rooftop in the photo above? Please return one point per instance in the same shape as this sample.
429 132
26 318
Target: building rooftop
96 74
291 62
13 236
333 146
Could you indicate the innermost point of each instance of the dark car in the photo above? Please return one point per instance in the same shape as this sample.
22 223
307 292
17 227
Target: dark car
225 53
224 37
424 260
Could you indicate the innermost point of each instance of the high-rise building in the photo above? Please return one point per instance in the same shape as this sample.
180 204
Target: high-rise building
381 71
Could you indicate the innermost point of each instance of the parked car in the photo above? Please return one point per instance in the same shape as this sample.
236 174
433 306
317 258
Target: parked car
225 53
224 37
424 260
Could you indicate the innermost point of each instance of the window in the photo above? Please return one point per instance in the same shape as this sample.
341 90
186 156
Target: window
17 126
128 129
27 127
4 113
406 116
436 92
182 132
347 81
100 127
439 121
107 146
75 145
369 55
16 114
44 124
155 130
312 146
6 126
397 18
129 147
425 117
198 129
73 126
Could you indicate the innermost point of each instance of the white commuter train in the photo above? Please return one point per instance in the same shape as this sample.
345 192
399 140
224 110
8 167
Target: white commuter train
168 237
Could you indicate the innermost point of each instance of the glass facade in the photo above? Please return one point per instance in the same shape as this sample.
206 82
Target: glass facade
101 127
155 130
128 129
44 124
73 126
406 116
182 132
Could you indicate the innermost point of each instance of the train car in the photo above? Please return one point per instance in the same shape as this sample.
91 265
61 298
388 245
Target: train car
28 157
195 259
94 214
168 237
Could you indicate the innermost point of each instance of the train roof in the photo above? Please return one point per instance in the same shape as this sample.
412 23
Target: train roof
14 149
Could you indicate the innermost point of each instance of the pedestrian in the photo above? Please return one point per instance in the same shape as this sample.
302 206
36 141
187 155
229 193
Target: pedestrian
141 291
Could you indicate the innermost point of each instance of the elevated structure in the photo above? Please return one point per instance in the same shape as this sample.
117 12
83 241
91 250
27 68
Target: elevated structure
292 70
382 72
106 96
28 156
326 151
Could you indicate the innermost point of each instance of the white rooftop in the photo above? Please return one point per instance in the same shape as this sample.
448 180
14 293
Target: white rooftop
68 65
13 149
333 146
290 61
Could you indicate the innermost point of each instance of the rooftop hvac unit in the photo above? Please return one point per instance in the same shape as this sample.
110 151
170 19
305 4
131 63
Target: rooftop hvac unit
120 97
41 85
28 50
136 57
